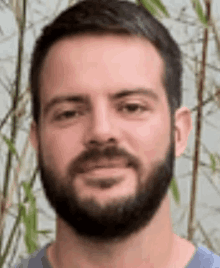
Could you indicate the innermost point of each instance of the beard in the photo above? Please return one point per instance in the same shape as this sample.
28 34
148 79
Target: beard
119 218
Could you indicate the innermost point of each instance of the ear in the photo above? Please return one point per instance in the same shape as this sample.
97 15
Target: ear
183 126
34 135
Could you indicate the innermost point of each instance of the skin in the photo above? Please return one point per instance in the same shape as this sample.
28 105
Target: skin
98 66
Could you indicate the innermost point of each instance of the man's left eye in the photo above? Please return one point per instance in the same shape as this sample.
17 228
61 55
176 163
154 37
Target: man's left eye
133 107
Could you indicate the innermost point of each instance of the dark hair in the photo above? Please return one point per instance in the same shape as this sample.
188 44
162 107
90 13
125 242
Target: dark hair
109 17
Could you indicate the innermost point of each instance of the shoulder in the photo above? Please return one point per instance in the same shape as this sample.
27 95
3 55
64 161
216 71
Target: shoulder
36 259
192 256
205 258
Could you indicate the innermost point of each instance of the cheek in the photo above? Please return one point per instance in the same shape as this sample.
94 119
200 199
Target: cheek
60 147
151 140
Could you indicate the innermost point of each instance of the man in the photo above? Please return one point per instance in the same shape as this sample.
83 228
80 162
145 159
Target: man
106 93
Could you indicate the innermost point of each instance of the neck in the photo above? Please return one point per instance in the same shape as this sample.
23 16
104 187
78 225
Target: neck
153 247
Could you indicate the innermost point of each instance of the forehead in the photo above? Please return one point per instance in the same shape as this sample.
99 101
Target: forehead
100 65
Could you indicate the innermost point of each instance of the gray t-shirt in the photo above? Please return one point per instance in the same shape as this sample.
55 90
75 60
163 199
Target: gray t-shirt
202 258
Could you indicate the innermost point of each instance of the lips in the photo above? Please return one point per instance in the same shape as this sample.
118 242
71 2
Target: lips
104 163
103 183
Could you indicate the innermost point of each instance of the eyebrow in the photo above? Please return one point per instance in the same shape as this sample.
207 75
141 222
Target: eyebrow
83 98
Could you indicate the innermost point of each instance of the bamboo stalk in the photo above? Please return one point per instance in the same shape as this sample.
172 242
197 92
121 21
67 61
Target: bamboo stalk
191 227
208 241
216 36
16 224
11 110
15 104
208 100
8 202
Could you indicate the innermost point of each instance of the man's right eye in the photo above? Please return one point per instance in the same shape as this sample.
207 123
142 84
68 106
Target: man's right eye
65 115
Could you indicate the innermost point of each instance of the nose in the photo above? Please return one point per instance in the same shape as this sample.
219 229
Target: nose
101 130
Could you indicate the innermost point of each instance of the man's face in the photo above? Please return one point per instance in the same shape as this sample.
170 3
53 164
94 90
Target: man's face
128 135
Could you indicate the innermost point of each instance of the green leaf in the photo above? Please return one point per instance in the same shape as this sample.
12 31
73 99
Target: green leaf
10 146
149 7
28 191
30 220
23 211
154 7
44 231
30 237
175 190
30 242
198 8
161 7
213 162
32 215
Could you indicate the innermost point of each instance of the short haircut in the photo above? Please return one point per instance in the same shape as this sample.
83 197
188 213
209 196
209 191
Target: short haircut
101 17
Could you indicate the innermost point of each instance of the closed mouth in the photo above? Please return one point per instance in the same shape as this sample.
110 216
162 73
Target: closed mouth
106 164
103 182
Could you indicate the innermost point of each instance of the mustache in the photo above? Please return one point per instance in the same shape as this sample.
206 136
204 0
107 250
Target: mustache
98 154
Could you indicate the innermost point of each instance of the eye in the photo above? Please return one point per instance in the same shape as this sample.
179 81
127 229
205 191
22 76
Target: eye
66 115
133 107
